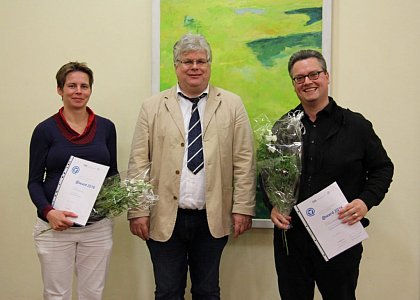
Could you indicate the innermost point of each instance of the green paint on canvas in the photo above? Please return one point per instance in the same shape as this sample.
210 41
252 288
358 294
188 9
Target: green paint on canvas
251 40
314 14
267 50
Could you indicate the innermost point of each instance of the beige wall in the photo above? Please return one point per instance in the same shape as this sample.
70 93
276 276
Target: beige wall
374 71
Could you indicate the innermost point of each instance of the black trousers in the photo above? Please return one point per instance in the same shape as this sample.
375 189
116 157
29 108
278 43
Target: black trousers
300 266
191 247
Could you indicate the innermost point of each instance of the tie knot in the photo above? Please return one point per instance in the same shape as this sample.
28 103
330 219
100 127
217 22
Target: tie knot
194 99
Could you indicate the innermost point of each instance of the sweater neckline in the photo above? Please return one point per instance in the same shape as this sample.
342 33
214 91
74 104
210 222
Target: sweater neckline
70 134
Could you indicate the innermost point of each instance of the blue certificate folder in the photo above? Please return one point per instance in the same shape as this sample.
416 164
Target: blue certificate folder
319 214
79 187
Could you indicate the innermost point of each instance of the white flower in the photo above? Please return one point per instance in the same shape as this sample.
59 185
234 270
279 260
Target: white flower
271 138
271 148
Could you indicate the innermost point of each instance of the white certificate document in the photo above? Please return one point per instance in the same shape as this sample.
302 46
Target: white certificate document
78 188
319 214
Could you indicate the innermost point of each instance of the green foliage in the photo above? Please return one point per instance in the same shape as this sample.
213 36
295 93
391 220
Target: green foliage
278 159
280 176
117 196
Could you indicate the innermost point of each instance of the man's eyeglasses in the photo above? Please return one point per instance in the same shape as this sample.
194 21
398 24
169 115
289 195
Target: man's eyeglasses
191 62
312 76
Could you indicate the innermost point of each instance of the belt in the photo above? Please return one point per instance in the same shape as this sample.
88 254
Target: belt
185 211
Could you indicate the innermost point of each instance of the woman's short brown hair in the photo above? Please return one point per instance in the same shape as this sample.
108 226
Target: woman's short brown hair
72 67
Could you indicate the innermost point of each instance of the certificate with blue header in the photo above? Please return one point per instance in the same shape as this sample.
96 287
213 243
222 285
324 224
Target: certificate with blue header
319 214
79 187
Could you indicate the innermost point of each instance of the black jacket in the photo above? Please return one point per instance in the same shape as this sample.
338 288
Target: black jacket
342 146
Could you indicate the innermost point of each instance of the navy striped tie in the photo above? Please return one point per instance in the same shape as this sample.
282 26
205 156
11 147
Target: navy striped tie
195 157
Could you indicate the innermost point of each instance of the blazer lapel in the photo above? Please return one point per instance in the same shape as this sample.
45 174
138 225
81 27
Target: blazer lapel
172 106
212 104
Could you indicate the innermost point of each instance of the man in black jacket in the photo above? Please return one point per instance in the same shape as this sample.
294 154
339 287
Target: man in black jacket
338 145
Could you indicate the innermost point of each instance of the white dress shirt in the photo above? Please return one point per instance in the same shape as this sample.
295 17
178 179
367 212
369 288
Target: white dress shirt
192 187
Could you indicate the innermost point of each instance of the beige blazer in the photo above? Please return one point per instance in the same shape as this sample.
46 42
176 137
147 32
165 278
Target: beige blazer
159 138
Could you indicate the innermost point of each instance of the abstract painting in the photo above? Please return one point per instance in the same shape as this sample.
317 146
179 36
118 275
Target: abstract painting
251 42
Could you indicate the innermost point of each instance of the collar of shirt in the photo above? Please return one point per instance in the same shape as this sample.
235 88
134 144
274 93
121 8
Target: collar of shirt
178 90
325 112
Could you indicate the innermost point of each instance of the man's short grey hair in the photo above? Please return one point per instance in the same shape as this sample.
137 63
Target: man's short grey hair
191 42
305 54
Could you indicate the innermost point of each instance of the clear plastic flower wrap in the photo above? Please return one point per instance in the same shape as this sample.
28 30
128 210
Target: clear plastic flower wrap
123 191
279 158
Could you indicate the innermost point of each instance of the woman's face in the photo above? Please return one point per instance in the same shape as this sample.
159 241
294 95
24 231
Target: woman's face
76 91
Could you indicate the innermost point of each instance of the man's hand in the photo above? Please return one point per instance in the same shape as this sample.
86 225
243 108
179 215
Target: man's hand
58 219
353 212
140 227
280 221
241 223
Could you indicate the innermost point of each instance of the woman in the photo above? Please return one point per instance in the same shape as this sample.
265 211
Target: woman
73 130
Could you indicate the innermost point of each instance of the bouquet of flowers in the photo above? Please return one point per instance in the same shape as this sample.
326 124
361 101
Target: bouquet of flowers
122 192
279 159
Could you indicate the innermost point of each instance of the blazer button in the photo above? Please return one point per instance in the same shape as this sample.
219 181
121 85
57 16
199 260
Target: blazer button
177 172
182 144
175 198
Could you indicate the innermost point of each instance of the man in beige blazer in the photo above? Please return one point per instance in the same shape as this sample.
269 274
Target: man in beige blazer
203 171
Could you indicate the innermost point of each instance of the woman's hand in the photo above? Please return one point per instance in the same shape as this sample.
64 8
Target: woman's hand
58 219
